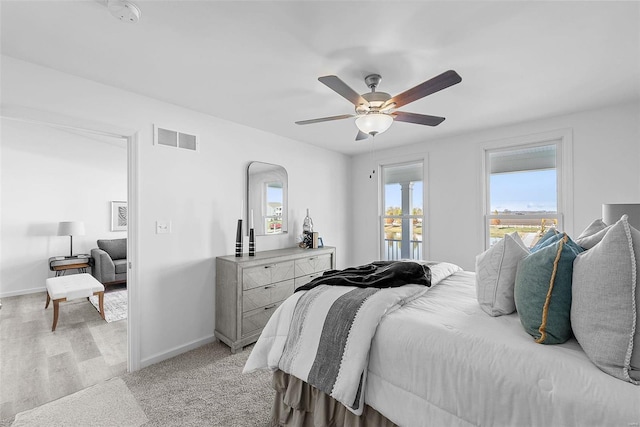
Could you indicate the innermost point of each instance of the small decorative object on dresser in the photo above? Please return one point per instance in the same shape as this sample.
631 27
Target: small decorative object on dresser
252 243
239 239
252 240
307 224
248 290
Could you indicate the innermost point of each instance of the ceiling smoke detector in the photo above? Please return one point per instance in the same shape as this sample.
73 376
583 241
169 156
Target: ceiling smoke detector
124 10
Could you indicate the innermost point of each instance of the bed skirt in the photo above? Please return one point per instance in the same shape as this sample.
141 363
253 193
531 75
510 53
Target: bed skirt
298 404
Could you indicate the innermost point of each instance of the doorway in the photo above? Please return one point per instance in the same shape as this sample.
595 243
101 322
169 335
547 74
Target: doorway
23 277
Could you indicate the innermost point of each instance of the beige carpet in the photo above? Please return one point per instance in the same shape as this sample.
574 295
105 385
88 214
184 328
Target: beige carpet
93 406
203 387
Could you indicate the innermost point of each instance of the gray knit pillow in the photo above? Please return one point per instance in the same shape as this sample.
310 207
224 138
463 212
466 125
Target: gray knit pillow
605 302
593 234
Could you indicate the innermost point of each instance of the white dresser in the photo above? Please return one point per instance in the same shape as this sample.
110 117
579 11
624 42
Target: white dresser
249 289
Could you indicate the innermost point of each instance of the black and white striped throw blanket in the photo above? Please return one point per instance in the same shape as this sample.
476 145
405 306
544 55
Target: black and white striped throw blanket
322 336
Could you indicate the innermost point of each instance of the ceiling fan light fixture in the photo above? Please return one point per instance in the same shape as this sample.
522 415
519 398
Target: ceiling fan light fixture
374 123
387 107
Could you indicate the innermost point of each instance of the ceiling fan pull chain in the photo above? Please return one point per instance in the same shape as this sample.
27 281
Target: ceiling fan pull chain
373 168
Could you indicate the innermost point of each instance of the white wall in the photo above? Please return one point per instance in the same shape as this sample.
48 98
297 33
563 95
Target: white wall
606 166
51 175
199 192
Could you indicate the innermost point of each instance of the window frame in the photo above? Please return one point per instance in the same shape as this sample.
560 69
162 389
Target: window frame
563 139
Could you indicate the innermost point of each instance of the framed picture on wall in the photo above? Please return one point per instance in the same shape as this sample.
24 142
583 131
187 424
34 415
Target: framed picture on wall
118 216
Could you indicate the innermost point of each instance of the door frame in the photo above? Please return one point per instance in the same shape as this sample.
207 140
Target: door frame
132 137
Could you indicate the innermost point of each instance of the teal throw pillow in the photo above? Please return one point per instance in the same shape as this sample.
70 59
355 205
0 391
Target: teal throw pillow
548 238
543 290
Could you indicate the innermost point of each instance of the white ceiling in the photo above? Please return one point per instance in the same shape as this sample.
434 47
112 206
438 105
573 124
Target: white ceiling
257 63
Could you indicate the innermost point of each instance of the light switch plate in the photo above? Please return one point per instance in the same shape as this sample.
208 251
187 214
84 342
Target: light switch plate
163 227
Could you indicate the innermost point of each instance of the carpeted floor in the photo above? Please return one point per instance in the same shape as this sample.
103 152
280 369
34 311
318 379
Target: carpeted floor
97 403
203 387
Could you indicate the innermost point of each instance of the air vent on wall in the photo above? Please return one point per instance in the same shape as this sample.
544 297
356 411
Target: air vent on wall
172 138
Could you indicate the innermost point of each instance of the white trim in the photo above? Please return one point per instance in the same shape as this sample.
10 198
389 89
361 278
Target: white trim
426 207
564 154
159 357
133 322
47 118
23 292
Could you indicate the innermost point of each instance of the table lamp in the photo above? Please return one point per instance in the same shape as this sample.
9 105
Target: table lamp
71 228
612 212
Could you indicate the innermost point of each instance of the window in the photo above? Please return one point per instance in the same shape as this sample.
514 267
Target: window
402 207
523 191
274 200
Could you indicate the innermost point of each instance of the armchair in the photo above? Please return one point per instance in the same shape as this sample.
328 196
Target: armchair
110 261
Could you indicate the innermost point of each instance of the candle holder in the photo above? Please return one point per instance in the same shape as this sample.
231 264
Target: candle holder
239 239
252 243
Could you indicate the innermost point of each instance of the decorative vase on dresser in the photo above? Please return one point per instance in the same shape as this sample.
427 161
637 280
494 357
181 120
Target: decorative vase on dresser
249 289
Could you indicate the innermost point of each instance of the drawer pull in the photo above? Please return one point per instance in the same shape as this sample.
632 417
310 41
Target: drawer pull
270 265
313 258
269 307
270 286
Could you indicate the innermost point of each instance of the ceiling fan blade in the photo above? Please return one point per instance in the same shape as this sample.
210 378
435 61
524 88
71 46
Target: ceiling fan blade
324 119
341 88
420 119
442 81
361 135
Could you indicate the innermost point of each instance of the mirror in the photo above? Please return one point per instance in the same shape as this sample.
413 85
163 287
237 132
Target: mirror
267 199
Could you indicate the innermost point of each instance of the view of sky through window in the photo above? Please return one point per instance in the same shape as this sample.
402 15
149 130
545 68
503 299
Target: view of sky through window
393 195
525 191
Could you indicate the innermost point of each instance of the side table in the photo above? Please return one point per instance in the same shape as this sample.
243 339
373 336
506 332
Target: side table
60 264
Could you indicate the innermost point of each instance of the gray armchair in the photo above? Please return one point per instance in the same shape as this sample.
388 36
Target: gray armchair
110 261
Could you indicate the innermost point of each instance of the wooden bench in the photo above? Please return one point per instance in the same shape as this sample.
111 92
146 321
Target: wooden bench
67 288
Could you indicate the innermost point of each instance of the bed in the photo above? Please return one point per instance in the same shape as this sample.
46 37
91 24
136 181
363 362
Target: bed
436 358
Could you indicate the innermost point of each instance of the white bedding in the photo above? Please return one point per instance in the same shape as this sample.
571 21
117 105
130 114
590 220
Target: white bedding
330 349
441 361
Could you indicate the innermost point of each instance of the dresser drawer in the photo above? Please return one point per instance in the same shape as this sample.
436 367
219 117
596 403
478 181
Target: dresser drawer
255 320
250 289
312 264
303 280
266 295
267 274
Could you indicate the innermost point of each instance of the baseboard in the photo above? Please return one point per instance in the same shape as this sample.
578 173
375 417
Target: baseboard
22 292
176 351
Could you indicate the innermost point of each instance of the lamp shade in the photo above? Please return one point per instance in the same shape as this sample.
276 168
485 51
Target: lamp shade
374 123
71 228
611 213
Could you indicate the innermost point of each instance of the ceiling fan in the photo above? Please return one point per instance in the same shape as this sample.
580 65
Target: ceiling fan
376 111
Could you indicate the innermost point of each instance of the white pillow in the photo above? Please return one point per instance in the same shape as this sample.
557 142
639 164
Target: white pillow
496 275
593 234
